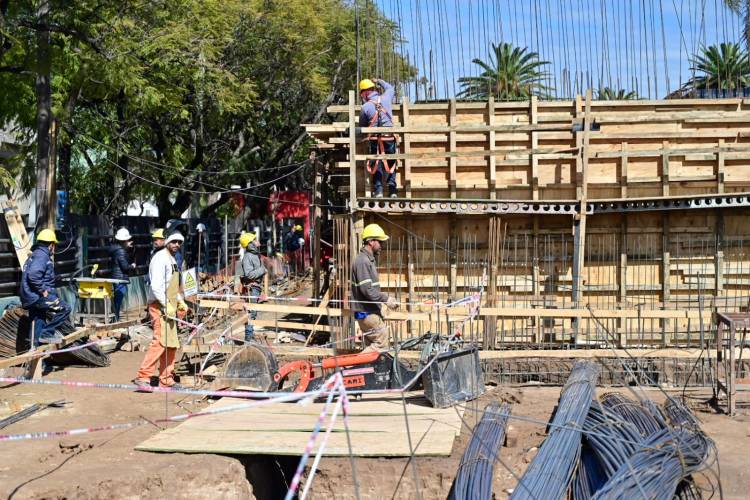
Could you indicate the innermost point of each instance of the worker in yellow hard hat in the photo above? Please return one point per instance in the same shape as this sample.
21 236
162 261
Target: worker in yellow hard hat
377 111
367 299
38 293
294 244
252 271
157 240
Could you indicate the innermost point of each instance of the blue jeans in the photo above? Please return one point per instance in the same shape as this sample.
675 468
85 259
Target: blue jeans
377 177
45 319
120 290
251 315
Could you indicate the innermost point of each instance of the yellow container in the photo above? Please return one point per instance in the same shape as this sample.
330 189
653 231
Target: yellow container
94 288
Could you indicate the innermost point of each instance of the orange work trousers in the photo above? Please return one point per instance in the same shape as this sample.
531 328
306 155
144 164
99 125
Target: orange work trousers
157 353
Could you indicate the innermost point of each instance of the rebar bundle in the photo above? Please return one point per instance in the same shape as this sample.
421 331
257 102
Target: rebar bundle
656 469
474 477
638 448
551 472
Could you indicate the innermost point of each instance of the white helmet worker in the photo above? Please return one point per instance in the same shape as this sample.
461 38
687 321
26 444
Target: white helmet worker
123 234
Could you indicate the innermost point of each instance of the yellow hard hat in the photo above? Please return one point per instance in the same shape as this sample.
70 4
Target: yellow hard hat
47 236
158 234
298 227
366 84
246 239
374 232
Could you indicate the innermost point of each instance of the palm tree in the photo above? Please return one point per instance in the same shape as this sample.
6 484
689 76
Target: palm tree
610 94
511 73
724 67
742 8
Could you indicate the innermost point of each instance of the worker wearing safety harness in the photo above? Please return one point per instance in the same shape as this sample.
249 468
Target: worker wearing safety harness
251 276
367 298
377 111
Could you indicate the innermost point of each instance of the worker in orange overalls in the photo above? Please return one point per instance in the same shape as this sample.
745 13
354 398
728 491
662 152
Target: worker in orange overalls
377 111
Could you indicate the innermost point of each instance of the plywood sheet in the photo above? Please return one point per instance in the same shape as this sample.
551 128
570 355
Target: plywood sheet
376 424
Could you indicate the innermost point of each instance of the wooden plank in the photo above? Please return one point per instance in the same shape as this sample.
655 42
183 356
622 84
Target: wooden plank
435 442
17 231
452 147
720 155
491 146
377 429
534 175
665 276
31 355
352 152
291 325
407 146
509 312
653 353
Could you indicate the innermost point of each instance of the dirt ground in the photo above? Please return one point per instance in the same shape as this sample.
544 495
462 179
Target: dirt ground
105 465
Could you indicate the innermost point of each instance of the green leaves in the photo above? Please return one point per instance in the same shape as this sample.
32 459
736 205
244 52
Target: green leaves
610 94
725 66
511 73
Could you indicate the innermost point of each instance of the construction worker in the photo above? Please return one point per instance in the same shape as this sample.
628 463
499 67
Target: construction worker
377 111
294 244
38 294
251 274
121 267
367 299
160 271
157 240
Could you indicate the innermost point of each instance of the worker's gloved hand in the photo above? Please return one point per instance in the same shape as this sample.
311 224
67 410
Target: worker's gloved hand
392 303
171 310
182 309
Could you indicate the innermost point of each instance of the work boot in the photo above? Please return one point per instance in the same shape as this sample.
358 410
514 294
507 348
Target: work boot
143 385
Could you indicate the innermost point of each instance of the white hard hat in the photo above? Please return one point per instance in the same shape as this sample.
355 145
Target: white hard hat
123 234
175 237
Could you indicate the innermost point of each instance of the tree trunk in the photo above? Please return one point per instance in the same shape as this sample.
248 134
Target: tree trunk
43 115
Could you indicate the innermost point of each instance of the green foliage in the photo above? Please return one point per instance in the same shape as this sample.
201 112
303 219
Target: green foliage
511 73
169 101
610 94
724 67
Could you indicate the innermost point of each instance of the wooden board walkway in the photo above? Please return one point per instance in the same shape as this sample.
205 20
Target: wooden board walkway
376 424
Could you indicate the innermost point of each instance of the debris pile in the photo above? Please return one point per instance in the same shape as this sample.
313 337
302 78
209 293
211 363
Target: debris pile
14 340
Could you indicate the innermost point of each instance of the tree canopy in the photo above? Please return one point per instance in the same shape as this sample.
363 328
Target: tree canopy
511 73
175 101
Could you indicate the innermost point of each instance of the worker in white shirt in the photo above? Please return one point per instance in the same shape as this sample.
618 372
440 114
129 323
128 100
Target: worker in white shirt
160 270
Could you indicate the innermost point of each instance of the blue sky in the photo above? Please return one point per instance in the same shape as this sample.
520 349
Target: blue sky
618 43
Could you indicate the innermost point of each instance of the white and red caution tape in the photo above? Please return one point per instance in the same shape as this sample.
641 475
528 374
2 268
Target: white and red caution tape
284 398
335 385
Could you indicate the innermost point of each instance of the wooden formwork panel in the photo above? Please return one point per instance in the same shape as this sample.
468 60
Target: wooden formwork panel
516 150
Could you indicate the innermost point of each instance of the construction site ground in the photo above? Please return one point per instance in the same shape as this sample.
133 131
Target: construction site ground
105 464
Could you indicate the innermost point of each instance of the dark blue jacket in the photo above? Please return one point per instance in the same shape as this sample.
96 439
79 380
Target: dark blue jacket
38 276
120 264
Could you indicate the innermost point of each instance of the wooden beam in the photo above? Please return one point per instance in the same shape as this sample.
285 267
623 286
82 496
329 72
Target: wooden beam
352 152
452 161
670 353
492 160
579 225
720 155
507 312
406 121
666 324
534 174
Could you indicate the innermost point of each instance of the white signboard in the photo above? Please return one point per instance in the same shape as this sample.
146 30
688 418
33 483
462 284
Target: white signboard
190 282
